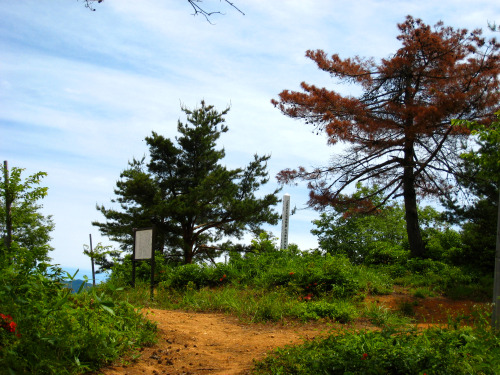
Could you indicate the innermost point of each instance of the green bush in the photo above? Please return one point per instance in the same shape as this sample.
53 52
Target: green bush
434 351
340 311
59 332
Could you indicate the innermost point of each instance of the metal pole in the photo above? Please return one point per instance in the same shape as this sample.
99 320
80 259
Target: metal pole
152 275
153 262
92 260
495 317
134 230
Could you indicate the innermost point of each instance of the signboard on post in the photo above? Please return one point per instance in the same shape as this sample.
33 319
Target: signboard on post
143 244
143 250
285 217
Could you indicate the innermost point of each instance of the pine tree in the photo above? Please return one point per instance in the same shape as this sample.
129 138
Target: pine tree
193 200
399 128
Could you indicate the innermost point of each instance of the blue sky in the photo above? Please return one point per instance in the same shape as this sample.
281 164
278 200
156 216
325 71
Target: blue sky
79 90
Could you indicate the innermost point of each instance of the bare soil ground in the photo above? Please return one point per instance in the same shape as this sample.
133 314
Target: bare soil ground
206 343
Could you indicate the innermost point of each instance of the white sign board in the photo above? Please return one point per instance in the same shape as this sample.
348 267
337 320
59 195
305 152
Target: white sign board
143 244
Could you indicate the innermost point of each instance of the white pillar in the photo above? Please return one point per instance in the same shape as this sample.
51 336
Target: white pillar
285 217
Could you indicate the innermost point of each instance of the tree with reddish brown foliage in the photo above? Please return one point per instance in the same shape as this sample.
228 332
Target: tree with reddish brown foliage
399 129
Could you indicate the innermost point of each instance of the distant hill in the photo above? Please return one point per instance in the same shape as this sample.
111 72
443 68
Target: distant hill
75 285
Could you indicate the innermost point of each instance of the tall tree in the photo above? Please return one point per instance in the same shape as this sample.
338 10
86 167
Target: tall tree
192 198
399 128
24 230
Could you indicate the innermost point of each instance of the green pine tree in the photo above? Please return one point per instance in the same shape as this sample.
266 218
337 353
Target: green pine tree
193 199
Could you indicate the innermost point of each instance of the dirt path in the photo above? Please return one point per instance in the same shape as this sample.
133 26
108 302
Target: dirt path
202 343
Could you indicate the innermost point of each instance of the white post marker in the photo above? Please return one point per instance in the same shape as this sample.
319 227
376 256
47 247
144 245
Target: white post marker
285 218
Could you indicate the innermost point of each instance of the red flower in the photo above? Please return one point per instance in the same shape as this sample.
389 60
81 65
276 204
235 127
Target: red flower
220 279
6 317
8 323
365 356
12 326
292 273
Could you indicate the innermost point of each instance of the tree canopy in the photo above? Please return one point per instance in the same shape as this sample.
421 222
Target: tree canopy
25 231
399 129
188 194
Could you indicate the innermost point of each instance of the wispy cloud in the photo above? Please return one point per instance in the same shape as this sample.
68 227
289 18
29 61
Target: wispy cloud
80 90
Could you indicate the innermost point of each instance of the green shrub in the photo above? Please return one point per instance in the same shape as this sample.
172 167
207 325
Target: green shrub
63 333
435 351
341 311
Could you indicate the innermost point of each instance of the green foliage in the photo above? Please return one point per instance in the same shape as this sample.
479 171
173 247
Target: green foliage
341 311
434 351
480 177
379 236
383 317
186 191
375 237
265 242
432 276
267 285
63 333
100 255
30 229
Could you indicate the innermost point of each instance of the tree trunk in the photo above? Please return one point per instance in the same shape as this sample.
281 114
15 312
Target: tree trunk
495 317
7 256
417 247
188 251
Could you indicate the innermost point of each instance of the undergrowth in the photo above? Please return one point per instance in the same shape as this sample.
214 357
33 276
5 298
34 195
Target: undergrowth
451 350
53 331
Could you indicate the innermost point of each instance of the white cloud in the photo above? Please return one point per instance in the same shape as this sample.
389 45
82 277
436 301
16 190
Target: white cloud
80 90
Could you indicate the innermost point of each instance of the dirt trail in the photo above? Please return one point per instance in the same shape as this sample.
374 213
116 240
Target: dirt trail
202 343
205 343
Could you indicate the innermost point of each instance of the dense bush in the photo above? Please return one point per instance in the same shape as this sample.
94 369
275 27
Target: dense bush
57 332
299 274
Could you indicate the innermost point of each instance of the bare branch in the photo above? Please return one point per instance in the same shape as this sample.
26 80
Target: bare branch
194 3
